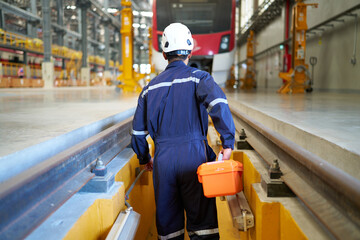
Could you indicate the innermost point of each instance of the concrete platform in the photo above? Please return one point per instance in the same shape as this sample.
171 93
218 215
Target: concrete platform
31 116
35 124
325 123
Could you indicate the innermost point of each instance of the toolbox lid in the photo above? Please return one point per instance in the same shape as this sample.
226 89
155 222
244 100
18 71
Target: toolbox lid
225 166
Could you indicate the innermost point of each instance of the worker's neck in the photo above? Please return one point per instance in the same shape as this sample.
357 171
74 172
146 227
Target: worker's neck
185 61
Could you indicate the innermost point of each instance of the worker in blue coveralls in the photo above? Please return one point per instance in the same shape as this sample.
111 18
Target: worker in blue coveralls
173 108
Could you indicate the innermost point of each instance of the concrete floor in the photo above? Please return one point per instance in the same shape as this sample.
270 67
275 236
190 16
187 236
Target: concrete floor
325 123
31 116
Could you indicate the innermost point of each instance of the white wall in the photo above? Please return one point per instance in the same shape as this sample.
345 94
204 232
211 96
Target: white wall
333 48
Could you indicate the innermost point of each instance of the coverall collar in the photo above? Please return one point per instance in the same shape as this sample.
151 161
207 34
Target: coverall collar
176 63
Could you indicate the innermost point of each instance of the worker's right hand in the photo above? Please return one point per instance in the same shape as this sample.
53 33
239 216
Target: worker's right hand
226 152
149 165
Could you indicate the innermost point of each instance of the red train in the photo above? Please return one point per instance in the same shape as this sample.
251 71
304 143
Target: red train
212 24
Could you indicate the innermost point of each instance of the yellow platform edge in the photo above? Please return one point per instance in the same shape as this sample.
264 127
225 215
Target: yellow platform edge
273 220
98 219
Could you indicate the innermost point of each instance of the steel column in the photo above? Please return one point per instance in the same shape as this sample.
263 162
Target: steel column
107 38
84 5
25 58
46 30
84 36
33 10
2 20
60 21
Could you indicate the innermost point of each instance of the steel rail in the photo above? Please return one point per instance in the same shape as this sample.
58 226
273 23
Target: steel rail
29 198
332 195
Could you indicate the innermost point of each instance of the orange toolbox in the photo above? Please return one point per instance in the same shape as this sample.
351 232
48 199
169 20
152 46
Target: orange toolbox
220 178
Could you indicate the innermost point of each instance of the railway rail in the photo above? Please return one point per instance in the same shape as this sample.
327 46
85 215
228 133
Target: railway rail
29 198
331 195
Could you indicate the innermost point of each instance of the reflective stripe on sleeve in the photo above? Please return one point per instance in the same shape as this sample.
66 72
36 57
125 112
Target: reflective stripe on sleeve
134 132
172 235
204 232
168 84
216 101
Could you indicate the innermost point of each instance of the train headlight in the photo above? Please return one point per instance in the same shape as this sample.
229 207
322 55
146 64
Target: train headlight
159 42
224 44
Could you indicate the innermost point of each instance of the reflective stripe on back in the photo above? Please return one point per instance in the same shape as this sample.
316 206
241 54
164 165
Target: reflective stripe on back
168 84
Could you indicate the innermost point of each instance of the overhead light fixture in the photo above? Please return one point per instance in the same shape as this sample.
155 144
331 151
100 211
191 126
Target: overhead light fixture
143 26
112 10
73 17
135 13
136 25
146 14
72 7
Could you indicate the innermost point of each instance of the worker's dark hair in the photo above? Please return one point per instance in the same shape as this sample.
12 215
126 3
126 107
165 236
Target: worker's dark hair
177 55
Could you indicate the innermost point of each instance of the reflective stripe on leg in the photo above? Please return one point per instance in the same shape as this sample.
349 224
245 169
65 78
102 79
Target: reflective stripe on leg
204 232
172 235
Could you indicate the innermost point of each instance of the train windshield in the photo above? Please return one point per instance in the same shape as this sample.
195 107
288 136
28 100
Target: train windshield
200 16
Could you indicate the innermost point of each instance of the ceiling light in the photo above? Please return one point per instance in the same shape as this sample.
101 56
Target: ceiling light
146 14
135 13
136 25
112 10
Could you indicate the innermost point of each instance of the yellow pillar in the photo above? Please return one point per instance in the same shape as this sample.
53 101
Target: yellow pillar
249 80
150 51
127 78
295 79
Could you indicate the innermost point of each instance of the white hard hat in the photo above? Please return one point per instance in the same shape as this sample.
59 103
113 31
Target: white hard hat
177 37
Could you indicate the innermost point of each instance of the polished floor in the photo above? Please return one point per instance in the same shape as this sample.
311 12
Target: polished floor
333 116
325 123
32 116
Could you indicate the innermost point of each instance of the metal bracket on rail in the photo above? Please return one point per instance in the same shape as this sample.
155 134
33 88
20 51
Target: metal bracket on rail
240 211
242 143
272 183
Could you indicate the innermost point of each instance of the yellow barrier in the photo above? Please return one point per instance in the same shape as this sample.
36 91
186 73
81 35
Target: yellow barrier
97 221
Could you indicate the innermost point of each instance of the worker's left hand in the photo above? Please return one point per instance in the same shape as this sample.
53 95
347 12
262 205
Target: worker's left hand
226 152
149 165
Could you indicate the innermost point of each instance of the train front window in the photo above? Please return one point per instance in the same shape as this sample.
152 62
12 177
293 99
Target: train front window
201 16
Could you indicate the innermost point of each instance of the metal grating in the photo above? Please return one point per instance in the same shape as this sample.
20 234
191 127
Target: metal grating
263 16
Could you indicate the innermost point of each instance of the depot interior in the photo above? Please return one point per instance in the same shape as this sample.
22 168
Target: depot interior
330 54
91 58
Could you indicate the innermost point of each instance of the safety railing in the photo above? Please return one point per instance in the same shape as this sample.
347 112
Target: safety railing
11 69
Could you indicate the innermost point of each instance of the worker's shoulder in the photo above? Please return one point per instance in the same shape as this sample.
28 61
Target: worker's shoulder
158 79
199 73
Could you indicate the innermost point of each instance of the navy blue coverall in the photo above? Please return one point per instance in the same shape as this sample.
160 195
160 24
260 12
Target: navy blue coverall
173 108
